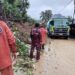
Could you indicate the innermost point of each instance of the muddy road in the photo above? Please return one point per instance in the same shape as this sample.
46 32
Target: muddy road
58 58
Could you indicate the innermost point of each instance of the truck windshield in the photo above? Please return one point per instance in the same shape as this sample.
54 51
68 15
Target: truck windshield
60 22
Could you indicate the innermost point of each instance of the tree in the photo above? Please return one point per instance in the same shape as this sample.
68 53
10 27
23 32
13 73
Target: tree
46 15
70 18
31 20
16 9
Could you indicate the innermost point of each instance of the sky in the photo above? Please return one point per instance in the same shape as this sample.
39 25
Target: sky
64 7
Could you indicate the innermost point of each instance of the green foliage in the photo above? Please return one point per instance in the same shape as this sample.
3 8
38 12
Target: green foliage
16 9
29 72
22 48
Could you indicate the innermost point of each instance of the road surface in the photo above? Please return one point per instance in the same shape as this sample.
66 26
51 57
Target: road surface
58 58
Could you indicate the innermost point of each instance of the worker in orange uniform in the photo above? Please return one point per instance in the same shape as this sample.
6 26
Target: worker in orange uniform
7 46
43 31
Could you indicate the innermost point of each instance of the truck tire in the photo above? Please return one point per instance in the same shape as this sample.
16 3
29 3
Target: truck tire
66 37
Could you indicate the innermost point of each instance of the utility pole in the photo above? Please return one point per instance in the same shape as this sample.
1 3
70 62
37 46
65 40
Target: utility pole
74 10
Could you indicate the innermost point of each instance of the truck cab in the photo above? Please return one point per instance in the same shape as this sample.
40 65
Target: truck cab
58 27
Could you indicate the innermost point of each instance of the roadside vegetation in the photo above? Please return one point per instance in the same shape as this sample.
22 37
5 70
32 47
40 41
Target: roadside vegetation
15 14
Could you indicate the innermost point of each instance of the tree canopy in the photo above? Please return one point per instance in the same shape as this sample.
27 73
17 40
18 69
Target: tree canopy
16 9
46 15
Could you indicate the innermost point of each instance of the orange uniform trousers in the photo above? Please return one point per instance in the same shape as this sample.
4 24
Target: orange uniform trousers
7 71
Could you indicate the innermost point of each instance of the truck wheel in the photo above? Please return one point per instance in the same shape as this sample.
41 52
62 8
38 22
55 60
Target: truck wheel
66 37
52 37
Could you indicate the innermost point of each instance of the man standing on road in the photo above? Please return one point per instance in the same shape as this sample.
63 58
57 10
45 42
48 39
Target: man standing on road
35 41
43 34
7 44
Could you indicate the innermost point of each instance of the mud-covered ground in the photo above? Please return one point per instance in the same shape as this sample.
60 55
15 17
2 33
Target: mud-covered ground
58 58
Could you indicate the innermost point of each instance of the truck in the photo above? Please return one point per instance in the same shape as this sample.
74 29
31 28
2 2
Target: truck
58 27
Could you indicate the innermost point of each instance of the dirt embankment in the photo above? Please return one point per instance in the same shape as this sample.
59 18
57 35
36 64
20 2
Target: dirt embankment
23 31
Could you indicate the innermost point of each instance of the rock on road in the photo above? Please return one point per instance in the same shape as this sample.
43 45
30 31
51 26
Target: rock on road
58 58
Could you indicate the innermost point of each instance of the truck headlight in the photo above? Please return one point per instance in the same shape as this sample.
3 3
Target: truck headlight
52 33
